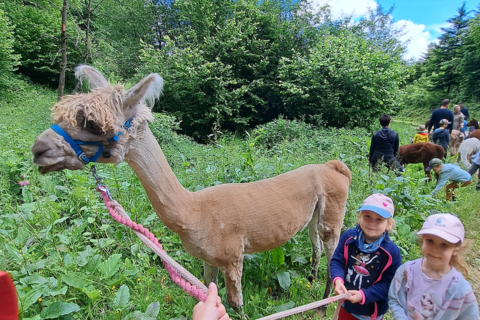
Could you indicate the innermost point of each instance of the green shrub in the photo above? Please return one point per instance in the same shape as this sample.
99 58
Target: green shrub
8 60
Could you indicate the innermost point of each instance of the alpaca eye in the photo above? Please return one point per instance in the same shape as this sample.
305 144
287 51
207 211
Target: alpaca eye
92 127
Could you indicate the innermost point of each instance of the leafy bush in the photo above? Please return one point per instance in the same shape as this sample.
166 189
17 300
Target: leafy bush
8 60
343 79
281 130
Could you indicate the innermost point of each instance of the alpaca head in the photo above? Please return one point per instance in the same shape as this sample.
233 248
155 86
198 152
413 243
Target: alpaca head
96 116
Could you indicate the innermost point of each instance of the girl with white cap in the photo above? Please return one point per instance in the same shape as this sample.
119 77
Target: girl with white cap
433 287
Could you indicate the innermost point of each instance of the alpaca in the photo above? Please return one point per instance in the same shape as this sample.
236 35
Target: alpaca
421 152
218 224
467 149
456 139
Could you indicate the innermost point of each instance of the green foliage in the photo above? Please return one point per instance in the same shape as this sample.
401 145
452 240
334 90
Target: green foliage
343 80
8 60
36 39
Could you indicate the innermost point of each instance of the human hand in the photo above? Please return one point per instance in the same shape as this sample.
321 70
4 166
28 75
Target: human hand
212 308
339 287
355 296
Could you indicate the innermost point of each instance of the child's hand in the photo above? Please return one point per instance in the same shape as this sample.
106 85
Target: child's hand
355 297
339 287
212 309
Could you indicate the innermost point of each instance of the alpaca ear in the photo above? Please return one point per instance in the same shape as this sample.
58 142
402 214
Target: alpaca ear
94 77
146 91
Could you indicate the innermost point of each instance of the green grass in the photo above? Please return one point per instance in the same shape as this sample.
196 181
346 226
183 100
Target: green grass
57 239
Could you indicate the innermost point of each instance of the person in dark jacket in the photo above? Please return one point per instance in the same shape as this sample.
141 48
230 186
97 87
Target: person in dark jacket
439 114
441 136
365 261
384 146
464 110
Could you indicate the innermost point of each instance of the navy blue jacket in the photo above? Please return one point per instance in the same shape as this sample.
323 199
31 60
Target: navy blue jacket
439 114
441 137
375 292
384 144
465 112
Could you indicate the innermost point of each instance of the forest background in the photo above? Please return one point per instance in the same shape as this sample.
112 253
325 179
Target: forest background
264 86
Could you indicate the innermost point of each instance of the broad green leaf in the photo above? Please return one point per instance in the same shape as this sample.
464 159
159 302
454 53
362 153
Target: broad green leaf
22 236
93 295
60 220
58 309
284 280
82 256
153 309
75 281
110 266
122 297
16 256
300 260
278 259
31 297
287 306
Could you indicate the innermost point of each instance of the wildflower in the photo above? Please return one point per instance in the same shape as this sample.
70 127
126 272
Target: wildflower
301 281
39 299
310 259
114 293
113 287
117 311
135 287
138 279
23 183
203 281
308 286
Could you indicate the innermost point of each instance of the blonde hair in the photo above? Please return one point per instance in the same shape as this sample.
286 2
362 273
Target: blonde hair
390 221
456 260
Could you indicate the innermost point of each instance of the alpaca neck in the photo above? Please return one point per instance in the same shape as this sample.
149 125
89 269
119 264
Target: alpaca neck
169 198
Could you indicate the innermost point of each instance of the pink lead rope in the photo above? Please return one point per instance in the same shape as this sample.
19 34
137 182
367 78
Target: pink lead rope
188 282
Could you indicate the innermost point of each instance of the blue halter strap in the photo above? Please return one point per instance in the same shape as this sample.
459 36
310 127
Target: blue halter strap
75 144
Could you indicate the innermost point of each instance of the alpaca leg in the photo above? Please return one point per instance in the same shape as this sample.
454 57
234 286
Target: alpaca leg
233 283
210 274
317 245
330 247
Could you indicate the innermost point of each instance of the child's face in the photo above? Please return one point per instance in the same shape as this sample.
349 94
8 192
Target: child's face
373 225
438 168
437 251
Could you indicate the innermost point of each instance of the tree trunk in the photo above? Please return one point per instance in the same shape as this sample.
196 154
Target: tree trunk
63 42
87 31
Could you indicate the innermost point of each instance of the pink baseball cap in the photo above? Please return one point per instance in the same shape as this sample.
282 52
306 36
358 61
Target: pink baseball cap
444 225
380 204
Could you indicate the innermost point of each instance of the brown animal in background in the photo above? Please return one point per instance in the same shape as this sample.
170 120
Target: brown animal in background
421 152
218 224
474 134
472 123
456 139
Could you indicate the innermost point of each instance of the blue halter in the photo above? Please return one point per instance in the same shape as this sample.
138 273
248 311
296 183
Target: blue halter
75 144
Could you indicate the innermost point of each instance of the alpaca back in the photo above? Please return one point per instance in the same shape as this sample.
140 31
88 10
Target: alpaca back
468 148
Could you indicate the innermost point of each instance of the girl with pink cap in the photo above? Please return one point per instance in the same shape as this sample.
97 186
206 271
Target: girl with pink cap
433 287
365 261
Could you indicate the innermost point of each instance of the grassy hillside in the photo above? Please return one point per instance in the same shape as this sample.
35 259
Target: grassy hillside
60 245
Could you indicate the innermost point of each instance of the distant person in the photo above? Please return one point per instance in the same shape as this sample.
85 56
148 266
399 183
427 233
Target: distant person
474 167
441 136
464 111
448 172
439 114
384 146
458 118
421 135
